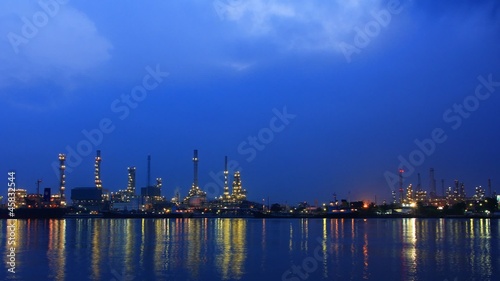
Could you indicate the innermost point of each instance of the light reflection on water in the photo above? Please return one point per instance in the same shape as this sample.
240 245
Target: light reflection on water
254 249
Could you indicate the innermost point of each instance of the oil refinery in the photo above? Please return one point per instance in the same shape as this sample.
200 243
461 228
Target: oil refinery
148 201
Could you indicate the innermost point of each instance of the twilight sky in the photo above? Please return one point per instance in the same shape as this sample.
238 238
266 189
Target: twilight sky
307 98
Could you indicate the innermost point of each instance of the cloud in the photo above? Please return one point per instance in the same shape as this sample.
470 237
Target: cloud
257 15
301 25
238 66
47 43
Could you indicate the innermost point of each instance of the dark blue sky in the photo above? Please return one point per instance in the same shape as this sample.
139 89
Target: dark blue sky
358 100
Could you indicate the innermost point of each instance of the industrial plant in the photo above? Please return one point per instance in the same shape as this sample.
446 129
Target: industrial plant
148 201
128 202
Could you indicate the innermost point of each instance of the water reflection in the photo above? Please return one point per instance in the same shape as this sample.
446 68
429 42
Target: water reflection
304 232
243 249
193 243
231 247
409 252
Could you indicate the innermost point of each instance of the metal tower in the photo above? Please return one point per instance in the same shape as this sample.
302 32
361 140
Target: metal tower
131 180
401 171
226 196
195 170
97 172
62 178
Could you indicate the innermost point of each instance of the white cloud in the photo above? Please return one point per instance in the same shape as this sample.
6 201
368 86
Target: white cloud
40 45
258 14
299 25
239 66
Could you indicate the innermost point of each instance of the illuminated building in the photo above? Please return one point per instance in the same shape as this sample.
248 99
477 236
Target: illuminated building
126 199
239 194
126 195
480 193
462 194
420 196
20 195
97 172
62 178
457 194
409 195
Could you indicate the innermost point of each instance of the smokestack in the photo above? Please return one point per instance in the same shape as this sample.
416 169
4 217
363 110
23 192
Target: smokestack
401 171
97 173
419 187
149 171
226 196
195 162
62 177
225 172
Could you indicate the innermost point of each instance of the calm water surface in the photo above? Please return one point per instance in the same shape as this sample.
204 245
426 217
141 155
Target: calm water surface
254 249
